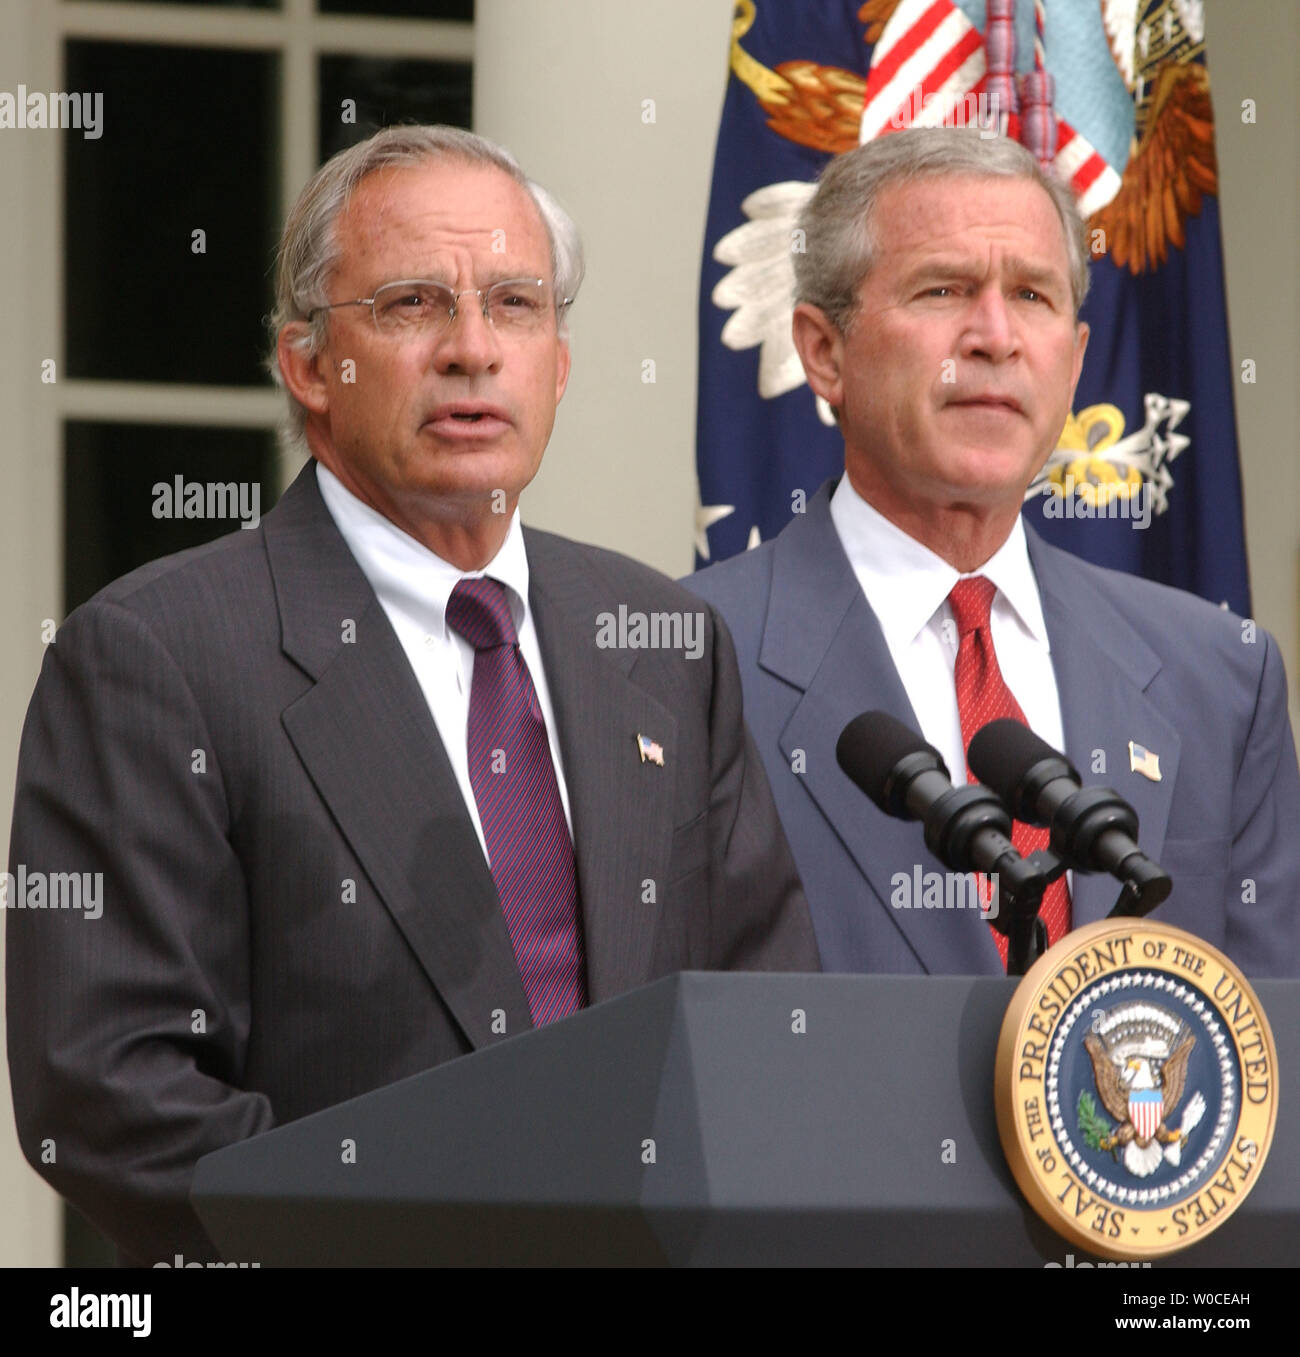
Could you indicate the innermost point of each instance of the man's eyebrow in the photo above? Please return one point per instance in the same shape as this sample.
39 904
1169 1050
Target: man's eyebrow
511 276
1042 275
956 266
501 275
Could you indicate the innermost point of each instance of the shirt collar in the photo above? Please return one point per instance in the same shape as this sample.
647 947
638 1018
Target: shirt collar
405 574
882 555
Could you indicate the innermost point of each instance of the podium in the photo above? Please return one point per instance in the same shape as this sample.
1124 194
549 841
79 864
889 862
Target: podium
705 1120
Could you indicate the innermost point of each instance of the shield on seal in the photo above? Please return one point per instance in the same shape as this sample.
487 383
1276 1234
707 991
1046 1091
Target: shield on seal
1146 1110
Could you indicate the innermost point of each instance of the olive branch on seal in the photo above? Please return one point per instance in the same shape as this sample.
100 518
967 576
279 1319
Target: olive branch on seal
1093 1126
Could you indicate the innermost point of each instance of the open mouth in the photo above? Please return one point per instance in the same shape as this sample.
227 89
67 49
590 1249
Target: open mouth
468 413
468 420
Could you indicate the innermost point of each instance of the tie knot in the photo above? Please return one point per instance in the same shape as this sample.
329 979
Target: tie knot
970 601
480 612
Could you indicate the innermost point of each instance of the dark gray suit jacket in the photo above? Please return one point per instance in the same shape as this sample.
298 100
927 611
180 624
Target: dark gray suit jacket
1134 661
296 908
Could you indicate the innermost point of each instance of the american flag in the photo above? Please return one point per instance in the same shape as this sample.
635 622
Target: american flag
1142 760
650 751
931 63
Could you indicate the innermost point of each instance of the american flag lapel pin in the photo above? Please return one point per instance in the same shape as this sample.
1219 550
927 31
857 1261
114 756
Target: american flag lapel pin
1142 760
650 751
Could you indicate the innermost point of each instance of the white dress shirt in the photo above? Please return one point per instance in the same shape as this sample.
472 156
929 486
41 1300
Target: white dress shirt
413 586
907 586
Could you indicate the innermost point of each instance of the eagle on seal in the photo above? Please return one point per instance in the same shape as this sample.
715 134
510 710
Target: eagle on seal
1131 1095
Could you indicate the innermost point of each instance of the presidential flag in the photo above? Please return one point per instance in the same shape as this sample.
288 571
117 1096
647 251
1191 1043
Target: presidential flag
1114 97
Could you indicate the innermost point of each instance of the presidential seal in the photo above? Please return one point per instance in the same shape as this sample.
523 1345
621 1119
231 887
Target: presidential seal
1136 1088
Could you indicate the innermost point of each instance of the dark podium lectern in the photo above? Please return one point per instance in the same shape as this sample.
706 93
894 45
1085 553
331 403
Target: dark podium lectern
707 1119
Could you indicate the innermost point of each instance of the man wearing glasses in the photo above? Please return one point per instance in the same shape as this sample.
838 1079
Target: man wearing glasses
368 787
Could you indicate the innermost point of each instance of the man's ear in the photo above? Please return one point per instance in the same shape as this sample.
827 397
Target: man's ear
563 359
1080 348
821 351
300 369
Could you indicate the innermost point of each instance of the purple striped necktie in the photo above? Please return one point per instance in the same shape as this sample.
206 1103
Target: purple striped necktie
513 777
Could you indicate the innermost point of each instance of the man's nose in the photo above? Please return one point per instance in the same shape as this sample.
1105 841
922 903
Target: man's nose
990 327
468 343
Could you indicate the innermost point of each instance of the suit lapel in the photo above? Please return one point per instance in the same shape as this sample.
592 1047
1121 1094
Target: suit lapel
369 744
1103 669
622 809
835 654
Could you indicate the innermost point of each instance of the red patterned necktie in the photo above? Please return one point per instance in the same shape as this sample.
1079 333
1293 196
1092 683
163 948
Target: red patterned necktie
983 696
513 777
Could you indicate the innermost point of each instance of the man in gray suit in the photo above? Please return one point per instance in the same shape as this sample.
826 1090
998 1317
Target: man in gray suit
389 778
937 313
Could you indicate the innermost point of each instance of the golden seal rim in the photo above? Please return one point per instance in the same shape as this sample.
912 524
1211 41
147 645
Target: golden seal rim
1013 1128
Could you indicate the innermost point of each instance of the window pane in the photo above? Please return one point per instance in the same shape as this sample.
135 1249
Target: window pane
121 505
170 214
406 9
382 91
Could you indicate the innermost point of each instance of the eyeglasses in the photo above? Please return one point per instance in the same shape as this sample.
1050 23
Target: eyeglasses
516 305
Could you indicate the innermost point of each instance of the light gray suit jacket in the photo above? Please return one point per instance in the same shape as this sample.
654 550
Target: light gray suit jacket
296 908
1134 661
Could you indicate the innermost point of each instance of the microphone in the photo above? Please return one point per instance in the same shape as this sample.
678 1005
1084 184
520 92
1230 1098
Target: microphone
1093 829
966 828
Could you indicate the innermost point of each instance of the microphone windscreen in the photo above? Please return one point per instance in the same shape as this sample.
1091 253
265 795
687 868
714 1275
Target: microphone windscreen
871 746
1002 752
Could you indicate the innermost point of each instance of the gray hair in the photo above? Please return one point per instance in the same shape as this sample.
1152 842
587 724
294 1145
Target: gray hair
309 249
839 244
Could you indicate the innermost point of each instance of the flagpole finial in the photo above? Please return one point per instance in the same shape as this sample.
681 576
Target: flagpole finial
1000 54
1037 117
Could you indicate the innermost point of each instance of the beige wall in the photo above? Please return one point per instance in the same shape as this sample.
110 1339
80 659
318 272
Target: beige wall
562 82
1259 197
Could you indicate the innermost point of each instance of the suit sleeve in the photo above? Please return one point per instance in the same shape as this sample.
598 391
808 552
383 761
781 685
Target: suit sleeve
1263 933
127 1019
760 919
